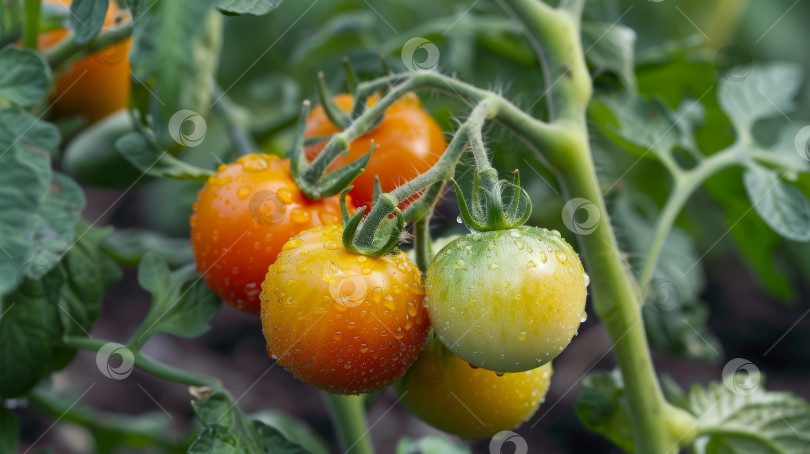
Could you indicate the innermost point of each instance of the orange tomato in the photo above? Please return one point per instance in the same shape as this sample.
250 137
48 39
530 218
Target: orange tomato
408 143
342 322
243 216
96 85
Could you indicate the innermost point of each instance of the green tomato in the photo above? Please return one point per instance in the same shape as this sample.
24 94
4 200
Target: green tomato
507 300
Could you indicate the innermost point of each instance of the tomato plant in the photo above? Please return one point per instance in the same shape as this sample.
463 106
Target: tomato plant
429 205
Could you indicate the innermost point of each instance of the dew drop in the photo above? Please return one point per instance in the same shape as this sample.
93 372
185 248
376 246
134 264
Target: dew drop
493 266
458 219
522 335
543 257
243 192
587 279
561 258
500 374
583 317
461 265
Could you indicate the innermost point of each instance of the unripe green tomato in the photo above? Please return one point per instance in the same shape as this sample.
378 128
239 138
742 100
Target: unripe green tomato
446 392
92 159
506 300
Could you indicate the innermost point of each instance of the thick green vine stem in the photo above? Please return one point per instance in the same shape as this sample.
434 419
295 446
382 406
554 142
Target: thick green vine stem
349 415
31 29
658 428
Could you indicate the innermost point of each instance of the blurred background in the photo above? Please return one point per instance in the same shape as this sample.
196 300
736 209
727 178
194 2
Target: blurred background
751 292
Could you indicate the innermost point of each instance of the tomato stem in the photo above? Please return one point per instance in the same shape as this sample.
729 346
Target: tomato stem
146 363
69 50
422 245
349 416
31 29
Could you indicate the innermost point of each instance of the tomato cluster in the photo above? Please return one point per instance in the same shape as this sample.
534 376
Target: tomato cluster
502 303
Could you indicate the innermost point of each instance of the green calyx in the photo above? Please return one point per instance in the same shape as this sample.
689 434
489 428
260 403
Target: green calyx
377 234
488 208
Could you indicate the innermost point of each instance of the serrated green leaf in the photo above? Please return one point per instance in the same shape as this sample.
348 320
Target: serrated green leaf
254 7
181 302
766 91
53 231
228 430
29 325
749 421
292 429
9 427
602 408
24 184
187 34
25 76
782 206
142 154
609 48
87 18
433 444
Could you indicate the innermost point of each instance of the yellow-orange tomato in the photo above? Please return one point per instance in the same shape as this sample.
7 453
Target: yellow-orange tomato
243 216
342 322
408 142
97 85
446 392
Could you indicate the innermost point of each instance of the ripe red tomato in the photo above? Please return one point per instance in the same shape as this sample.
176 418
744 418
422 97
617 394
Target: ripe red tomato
97 85
408 143
243 216
342 322
446 392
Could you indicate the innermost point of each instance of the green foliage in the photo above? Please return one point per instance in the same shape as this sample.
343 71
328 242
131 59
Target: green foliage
181 302
433 444
227 430
144 155
129 246
292 429
782 206
609 49
87 18
748 419
25 76
602 408
8 430
254 7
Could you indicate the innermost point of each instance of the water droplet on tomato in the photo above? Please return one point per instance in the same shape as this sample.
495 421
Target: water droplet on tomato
461 264
331 245
583 317
561 258
493 266
522 335
298 216
243 192
587 279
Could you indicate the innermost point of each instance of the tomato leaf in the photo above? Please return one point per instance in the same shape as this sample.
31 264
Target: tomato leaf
142 154
602 408
765 92
87 18
53 231
25 76
186 34
181 302
782 206
733 418
8 430
254 7
609 48
29 326
227 430
129 247
433 444
24 180
292 429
